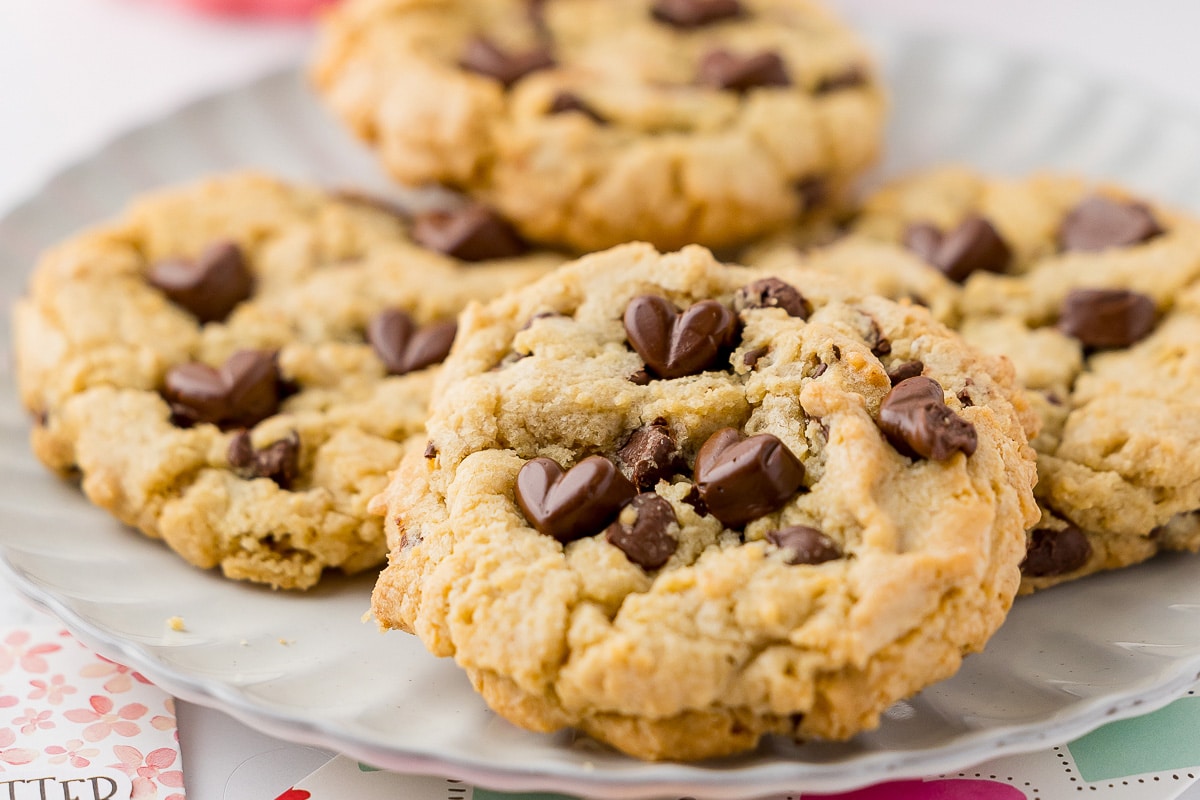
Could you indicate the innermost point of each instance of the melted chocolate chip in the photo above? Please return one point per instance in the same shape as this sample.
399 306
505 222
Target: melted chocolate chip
849 78
403 347
975 245
687 14
674 343
751 357
1056 552
651 455
722 69
772 293
741 479
575 503
208 287
1098 223
567 102
805 545
642 531
693 499
242 393
279 461
1107 318
485 57
472 233
902 372
916 420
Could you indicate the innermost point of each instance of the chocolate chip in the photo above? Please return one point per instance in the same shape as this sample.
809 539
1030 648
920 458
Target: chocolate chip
805 545
916 420
279 461
741 479
483 56
566 102
751 357
575 503
1107 318
431 450
693 499
819 371
685 14
674 343
1098 223
651 455
881 346
772 293
813 191
639 378
405 348
642 531
722 69
849 78
209 287
975 245
964 397
1056 552
472 233
242 393
902 372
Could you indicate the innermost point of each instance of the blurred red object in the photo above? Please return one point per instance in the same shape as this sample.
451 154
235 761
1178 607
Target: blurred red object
258 8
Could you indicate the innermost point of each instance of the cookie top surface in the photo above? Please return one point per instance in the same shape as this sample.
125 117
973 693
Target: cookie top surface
595 122
148 348
753 522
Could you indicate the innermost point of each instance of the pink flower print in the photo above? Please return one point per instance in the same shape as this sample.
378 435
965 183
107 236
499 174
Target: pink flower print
74 752
13 755
166 722
33 721
55 690
14 651
105 721
146 770
8 700
122 677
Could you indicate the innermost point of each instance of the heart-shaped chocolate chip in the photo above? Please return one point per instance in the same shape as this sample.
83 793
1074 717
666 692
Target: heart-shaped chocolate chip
1107 318
575 503
687 14
974 245
742 479
210 286
675 344
405 348
642 531
722 69
1098 223
279 461
916 420
471 233
485 57
805 545
242 393
1055 552
651 455
772 293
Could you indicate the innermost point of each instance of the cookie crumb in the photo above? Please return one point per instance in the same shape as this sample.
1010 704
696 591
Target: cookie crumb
176 624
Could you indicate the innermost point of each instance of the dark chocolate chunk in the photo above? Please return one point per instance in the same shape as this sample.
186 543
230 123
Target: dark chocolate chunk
651 455
674 343
405 348
849 78
242 393
210 286
1098 223
685 14
431 450
751 357
565 102
1056 552
642 531
472 233
805 545
902 372
975 245
575 503
1107 318
772 293
742 479
279 461
722 69
693 499
639 378
813 191
483 56
916 420
820 370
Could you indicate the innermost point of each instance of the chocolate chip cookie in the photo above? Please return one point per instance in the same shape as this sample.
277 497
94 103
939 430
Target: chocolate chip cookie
234 367
591 123
681 505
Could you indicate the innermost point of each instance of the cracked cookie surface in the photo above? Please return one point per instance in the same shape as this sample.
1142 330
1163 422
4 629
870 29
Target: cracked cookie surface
680 505
203 366
591 123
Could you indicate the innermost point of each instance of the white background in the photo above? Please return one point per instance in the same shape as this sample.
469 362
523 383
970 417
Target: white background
74 73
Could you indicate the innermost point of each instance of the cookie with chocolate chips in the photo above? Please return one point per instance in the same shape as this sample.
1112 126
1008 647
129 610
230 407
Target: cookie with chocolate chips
590 123
235 367
634 529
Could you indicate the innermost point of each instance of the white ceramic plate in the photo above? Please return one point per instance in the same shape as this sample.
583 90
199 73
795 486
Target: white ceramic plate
302 666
